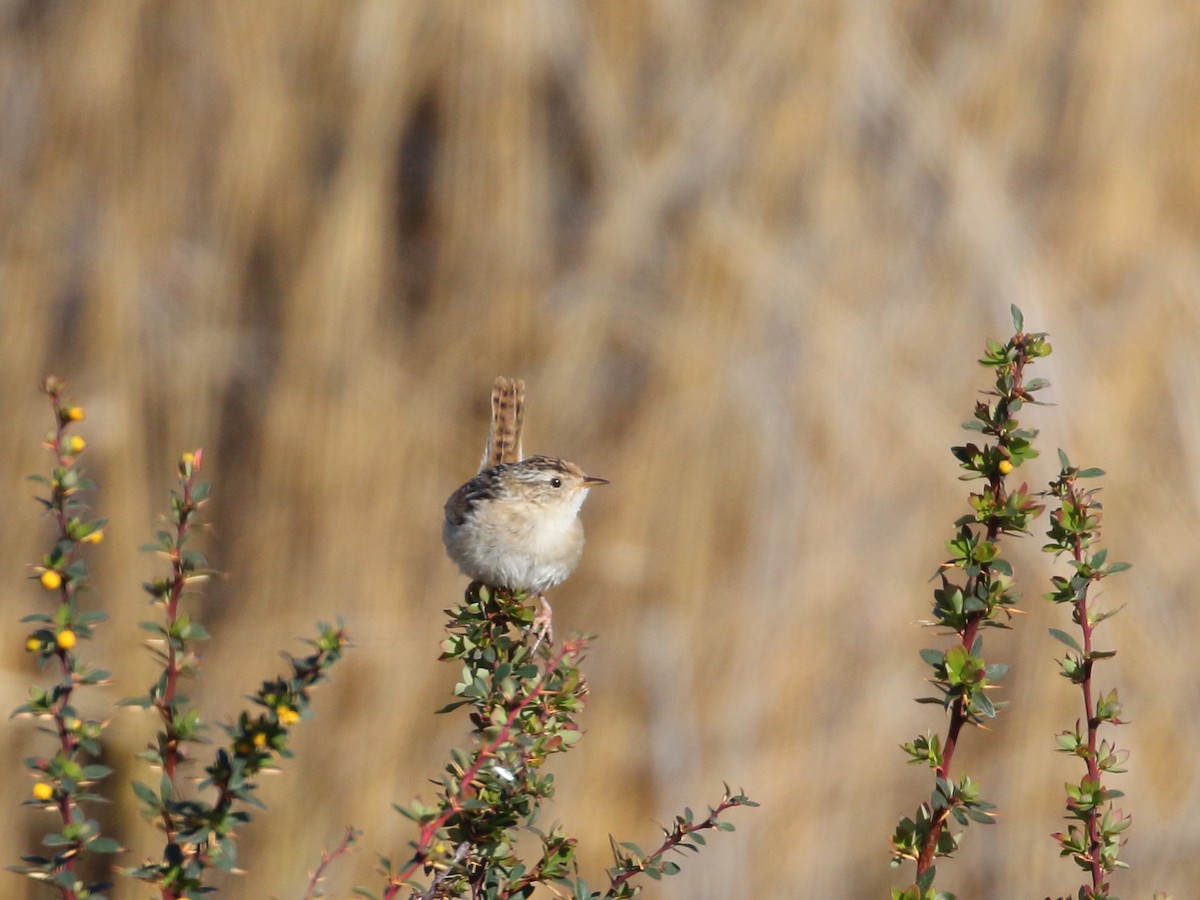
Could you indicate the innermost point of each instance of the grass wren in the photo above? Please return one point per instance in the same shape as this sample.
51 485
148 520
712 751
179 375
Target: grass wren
516 524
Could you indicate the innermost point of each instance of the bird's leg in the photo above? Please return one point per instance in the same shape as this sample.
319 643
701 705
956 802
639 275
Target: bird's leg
541 623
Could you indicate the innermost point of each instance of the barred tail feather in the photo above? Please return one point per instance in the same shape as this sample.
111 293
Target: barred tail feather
508 418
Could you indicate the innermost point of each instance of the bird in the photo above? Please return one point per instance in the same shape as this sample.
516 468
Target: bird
515 526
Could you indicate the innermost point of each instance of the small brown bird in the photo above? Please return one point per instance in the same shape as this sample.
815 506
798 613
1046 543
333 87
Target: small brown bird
516 524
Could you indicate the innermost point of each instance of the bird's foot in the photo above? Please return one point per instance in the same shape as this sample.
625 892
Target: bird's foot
542 624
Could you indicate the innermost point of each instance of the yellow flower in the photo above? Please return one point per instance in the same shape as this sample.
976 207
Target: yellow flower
43 791
73 724
189 458
66 639
94 537
1005 467
33 643
287 715
51 580
76 444
260 739
74 413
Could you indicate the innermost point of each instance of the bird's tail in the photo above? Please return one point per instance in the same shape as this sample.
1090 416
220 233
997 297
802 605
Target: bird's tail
508 417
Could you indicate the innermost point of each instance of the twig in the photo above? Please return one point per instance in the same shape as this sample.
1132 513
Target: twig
327 857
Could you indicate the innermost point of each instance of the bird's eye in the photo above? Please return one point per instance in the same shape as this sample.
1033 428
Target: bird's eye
556 482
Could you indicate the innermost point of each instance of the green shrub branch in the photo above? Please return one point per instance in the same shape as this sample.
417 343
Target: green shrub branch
523 708
1098 829
976 587
65 779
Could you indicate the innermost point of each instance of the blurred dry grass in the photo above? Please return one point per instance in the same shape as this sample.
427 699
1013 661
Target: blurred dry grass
744 255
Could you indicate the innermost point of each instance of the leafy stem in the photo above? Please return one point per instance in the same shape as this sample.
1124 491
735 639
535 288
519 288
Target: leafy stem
523 700
463 786
327 858
199 833
684 834
64 780
976 587
1094 843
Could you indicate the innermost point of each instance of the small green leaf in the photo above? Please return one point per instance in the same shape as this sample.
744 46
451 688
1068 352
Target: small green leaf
933 657
104 845
146 794
1064 638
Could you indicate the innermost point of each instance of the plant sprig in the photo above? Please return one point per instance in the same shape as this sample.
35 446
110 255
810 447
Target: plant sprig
684 834
199 832
975 587
173 638
65 779
523 709
521 713
1098 829
349 839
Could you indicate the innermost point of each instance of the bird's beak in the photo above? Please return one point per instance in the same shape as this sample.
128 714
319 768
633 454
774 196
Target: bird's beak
592 481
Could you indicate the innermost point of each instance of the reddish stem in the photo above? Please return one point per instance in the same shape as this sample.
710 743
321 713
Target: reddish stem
958 714
165 703
67 805
178 582
1086 627
326 859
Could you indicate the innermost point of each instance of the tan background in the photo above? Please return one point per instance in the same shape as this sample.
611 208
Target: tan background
745 256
